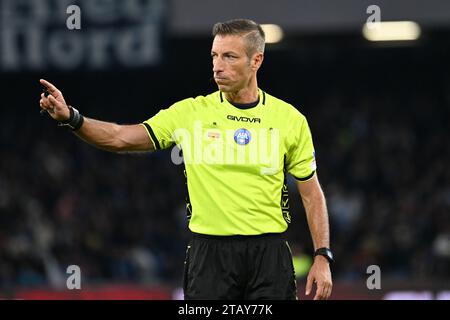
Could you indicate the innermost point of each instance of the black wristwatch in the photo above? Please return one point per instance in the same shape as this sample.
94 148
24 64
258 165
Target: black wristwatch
326 252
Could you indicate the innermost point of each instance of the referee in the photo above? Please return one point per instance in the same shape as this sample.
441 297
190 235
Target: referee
238 145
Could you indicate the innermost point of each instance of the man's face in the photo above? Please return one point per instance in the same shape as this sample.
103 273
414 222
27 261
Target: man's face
232 67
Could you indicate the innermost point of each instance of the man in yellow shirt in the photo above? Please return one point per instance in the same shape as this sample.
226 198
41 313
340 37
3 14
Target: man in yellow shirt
238 144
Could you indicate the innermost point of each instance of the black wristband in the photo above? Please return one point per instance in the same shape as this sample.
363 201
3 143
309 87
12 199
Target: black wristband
71 112
75 120
326 252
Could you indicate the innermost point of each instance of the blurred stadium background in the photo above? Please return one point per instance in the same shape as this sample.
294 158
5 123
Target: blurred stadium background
379 112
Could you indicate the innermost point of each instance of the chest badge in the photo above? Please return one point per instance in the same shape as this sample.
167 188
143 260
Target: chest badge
242 136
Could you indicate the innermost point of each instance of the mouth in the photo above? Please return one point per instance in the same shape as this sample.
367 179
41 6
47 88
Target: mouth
220 79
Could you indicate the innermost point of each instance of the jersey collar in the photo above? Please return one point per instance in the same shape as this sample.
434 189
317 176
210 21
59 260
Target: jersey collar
262 98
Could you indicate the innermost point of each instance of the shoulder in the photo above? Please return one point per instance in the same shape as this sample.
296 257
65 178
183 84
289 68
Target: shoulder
198 101
285 108
210 99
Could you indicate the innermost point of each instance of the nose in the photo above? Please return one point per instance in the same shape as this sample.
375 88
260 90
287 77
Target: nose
217 65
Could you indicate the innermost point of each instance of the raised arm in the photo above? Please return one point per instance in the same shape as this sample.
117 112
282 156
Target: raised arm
104 135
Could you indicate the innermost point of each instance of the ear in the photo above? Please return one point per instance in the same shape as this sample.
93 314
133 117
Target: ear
257 61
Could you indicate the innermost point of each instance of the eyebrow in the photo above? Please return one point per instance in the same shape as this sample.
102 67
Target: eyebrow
227 52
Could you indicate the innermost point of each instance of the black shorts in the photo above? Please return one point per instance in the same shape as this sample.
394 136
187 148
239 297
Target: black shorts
239 267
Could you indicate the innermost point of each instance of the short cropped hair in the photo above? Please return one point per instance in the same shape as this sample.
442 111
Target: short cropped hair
251 31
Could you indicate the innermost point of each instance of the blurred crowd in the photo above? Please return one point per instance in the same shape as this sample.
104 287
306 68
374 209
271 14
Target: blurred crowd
118 217
383 160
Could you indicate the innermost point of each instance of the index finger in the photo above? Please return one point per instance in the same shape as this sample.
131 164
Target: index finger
50 87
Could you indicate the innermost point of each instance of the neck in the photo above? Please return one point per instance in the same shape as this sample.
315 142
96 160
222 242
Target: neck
248 94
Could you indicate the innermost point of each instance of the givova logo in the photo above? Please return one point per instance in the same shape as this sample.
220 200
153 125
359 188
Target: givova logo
243 119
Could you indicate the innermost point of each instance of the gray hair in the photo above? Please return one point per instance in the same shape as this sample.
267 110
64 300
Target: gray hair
252 33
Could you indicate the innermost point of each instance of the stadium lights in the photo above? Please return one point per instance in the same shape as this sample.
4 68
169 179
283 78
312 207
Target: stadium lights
273 32
391 31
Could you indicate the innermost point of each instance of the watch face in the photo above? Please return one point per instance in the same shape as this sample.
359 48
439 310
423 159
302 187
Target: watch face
330 254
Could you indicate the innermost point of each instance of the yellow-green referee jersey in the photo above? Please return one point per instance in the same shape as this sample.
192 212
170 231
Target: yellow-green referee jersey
235 160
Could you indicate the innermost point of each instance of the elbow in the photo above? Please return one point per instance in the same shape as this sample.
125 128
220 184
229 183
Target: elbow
119 145
116 143
116 148
121 141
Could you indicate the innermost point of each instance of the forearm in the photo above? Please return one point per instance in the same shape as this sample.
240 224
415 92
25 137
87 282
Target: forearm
100 134
317 217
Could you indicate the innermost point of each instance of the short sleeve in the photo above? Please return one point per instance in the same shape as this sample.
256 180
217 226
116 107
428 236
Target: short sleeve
161 126
300 157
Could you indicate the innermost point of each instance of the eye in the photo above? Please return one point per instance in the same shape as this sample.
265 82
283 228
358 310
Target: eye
230 56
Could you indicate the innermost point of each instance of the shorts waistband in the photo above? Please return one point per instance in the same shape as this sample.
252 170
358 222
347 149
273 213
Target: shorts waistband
238 237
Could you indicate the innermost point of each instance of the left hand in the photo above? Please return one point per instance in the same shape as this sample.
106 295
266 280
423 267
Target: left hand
320 274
